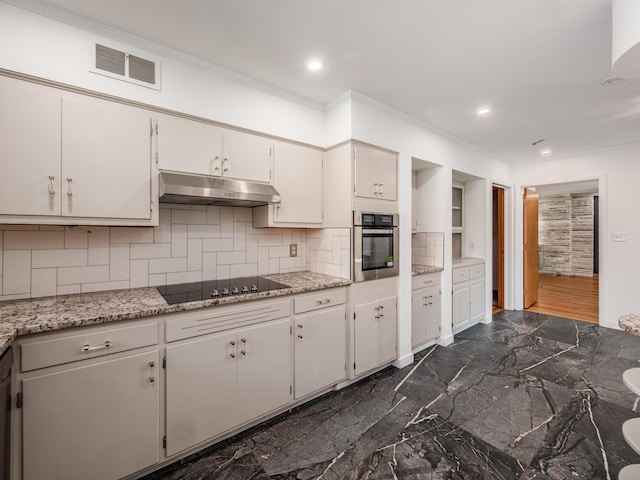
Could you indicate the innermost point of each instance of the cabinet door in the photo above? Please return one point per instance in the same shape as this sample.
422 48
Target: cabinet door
106 160
246 157
419 303
460 304
29 150
375 173
320 350
189 146
99 421
476 299
387 325
201 390
264 369
366 337
297 176
434 310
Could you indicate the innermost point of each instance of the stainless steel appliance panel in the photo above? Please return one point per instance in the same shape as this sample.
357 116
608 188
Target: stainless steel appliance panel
375 246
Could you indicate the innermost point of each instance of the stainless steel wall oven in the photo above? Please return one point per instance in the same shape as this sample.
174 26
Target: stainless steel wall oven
375 245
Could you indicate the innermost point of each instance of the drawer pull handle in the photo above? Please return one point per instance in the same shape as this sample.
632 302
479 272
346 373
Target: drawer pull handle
152 379
322 302
300 337
89 348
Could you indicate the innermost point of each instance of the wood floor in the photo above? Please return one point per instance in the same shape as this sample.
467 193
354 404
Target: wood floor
568 297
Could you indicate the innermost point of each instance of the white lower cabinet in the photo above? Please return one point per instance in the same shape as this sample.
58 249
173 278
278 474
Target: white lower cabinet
425 309
220 381
375 334
468 295
98 421
319 342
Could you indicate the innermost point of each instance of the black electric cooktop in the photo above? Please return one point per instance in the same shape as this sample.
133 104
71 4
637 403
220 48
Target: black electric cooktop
189 292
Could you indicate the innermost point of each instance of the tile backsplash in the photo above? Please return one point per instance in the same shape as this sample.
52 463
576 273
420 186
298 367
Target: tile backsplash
191 243
427 249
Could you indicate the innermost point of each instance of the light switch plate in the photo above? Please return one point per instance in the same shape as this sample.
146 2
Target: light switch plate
619 236
293 249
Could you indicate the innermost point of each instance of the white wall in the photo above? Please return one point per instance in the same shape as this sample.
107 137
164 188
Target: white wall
379 124
36 45
618 172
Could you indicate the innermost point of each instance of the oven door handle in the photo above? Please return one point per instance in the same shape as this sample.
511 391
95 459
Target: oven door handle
377 231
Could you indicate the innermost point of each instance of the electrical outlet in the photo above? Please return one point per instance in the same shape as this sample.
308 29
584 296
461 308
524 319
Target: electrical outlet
293 249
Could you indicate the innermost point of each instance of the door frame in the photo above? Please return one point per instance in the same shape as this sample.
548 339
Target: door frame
498 222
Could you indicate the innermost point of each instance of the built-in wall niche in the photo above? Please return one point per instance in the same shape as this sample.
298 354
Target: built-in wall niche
429 190
468 221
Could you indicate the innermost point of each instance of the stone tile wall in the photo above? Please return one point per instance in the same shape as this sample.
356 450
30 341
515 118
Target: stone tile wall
565 234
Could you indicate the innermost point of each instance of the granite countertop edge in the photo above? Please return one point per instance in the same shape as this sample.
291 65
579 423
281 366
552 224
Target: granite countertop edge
417 269
38 315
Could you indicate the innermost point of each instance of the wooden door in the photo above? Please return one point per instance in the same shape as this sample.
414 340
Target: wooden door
246 157
106 160
264 369
460 304
434 310
530 241
29 150
419 307
498 223
189 146
201 390
301 200
387 330
375 173
93 422
320 350
366 337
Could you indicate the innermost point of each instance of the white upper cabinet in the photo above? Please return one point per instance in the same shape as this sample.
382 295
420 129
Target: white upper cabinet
375 173
69 158
106 160
29 150
246 157
189 146
297 176
196 147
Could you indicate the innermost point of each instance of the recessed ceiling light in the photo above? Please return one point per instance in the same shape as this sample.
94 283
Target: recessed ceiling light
545 152
315 64
483 111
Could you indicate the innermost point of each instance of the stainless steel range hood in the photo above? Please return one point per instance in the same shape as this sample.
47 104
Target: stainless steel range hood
177 187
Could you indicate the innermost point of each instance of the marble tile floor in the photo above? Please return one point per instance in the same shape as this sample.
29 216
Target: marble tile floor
529 396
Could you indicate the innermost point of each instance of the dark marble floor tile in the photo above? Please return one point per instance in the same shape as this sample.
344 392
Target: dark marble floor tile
528 397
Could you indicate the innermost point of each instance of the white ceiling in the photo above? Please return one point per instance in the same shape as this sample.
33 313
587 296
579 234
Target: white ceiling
537 63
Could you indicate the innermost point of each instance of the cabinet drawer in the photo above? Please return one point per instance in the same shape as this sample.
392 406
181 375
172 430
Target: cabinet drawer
220 318
93 344
476 271
460 274
419 281
324 299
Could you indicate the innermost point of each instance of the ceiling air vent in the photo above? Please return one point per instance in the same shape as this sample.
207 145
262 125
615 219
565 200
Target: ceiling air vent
126 66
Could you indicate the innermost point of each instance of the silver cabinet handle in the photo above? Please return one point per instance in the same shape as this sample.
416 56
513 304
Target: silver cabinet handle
225 162
232 355
152 379
69 193
322 302
216 164
52 191
300 336
243 340
243 352
89 348
232 343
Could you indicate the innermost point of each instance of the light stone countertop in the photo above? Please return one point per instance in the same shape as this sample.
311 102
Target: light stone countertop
466 261
423 269
630 323
23 317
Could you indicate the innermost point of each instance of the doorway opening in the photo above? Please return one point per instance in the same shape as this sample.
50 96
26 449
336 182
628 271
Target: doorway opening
498 249
561 250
